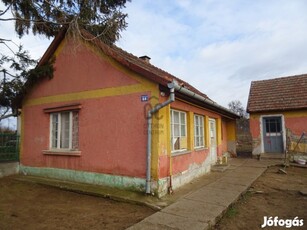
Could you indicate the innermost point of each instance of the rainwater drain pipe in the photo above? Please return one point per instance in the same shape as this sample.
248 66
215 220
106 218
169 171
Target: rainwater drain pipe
171 99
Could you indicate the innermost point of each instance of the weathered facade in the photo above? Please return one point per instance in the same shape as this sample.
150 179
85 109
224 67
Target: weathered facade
278 114
89 123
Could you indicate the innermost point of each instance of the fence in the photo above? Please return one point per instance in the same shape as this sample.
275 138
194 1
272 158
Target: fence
9 147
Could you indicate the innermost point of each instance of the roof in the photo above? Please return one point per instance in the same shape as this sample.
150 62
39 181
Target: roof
279 94
129 60
135 64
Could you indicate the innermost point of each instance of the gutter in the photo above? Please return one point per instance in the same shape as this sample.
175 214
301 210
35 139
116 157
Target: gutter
171 99
187 92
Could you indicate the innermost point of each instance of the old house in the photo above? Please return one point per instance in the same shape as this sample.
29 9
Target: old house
108 117
278 114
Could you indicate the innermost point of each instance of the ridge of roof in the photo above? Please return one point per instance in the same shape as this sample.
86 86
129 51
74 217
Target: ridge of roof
283 93
281 78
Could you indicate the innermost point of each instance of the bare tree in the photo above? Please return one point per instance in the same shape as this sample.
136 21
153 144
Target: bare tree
237 107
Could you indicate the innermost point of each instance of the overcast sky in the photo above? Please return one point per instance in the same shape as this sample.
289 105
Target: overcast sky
218 46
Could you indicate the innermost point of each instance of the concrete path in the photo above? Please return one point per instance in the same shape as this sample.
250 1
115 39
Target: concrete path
200 209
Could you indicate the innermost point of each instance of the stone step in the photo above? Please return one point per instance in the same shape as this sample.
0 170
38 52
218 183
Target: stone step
219 167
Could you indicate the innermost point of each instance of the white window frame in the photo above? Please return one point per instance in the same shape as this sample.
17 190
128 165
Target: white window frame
59 128
200 128
181 113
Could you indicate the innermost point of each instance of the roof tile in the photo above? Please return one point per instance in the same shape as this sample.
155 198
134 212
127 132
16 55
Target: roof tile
285 93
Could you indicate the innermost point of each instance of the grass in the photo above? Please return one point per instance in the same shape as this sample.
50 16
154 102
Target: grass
231 212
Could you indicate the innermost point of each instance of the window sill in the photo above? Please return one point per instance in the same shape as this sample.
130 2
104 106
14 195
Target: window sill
179 153
197 149
62 152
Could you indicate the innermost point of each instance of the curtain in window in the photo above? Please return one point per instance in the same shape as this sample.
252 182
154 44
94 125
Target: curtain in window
75 130
54 130
65 122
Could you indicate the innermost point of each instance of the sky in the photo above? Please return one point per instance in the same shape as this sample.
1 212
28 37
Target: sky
218 46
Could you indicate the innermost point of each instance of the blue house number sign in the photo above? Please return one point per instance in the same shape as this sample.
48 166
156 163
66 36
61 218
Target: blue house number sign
144 98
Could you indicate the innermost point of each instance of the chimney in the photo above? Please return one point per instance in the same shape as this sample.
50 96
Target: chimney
145 58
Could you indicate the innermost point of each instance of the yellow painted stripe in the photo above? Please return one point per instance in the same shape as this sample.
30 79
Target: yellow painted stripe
107 92
294 113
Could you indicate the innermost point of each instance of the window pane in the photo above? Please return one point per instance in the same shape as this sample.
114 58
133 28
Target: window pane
176 130
75 130
65 130
267 126
182 118
183 130
272 126
278 126
54 129
197 130
201 131
175 117
196 120
201 141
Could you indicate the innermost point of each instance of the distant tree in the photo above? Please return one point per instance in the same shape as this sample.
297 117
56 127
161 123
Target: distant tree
242 123
103 18
237 107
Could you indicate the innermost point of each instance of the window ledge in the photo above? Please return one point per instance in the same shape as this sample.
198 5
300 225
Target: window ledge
62 152
179 153
200 148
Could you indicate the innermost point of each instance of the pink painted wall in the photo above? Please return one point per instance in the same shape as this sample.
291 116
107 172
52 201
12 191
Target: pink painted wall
79 69
254 126
112 138
295 122
164 166
183 162
297 125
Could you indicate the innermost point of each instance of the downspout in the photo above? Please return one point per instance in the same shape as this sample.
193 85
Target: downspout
171 99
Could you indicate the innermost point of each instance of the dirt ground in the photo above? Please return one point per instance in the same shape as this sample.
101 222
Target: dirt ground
25 205
273 194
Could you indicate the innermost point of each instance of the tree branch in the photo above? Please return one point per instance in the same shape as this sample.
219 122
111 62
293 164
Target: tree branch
4 12
31 20
7 116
